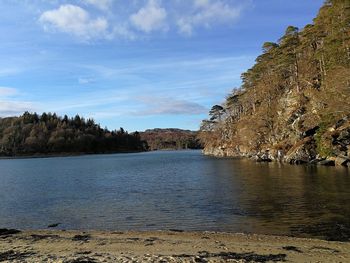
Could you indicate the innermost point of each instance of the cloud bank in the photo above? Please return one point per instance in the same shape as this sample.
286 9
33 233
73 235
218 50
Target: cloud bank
109 19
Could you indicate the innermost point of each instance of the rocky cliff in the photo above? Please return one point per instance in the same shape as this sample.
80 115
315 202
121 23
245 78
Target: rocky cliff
294 103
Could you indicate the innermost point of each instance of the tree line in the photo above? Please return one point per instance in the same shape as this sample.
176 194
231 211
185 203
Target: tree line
298 83
171 139
48 133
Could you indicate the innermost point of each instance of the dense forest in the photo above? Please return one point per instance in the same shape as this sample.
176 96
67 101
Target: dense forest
294 103
33 134
171 139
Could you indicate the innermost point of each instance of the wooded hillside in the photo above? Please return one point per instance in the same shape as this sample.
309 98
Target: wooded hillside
171 139
32 134
294 103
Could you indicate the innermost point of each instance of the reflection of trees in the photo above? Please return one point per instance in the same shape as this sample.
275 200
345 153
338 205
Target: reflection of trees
276 197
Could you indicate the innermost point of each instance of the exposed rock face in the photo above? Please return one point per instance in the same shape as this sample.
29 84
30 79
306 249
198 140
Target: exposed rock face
342 160
293 105
218 152
305 150
221 152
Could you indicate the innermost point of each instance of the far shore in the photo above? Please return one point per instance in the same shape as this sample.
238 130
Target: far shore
164 246
54 155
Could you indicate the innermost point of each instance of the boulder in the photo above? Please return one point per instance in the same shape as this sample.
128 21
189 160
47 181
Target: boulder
303 152
344 136
342 121
214 151
310 132
327 162
264 157
317 160
263 160
342 160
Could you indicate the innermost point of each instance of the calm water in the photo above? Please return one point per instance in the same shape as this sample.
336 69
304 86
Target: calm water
174 190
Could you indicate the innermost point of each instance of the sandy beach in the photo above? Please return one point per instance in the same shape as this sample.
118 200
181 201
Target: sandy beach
164 246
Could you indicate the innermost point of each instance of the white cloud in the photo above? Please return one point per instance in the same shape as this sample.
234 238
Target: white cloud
150 18
153 15
207 13
74 20
100 4
169 106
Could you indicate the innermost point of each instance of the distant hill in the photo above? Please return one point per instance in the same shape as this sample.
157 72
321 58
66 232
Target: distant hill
49 134
171 139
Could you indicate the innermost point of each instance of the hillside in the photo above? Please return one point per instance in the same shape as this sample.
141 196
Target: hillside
47 134
171 139
294 103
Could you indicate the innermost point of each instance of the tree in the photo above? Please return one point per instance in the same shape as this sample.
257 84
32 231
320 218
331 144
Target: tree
216 113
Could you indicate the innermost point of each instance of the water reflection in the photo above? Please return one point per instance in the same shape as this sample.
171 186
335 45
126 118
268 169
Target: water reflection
293 200
163 190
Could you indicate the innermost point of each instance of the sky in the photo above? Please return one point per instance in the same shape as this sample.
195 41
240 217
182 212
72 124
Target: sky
136 64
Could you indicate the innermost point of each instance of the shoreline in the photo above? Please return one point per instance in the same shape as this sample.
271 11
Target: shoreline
44 156
330 162
165 246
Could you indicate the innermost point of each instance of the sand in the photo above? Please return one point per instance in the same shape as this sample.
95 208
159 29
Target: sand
164 246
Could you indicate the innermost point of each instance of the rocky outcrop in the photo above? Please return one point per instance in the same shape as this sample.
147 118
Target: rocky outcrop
221 152
342 160
293 105
304 151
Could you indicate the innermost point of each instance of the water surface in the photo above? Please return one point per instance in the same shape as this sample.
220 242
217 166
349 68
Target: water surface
174 190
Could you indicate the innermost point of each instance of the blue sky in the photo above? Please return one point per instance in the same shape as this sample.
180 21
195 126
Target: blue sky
135 64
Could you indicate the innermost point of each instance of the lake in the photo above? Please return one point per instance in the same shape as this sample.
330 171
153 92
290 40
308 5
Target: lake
175 190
